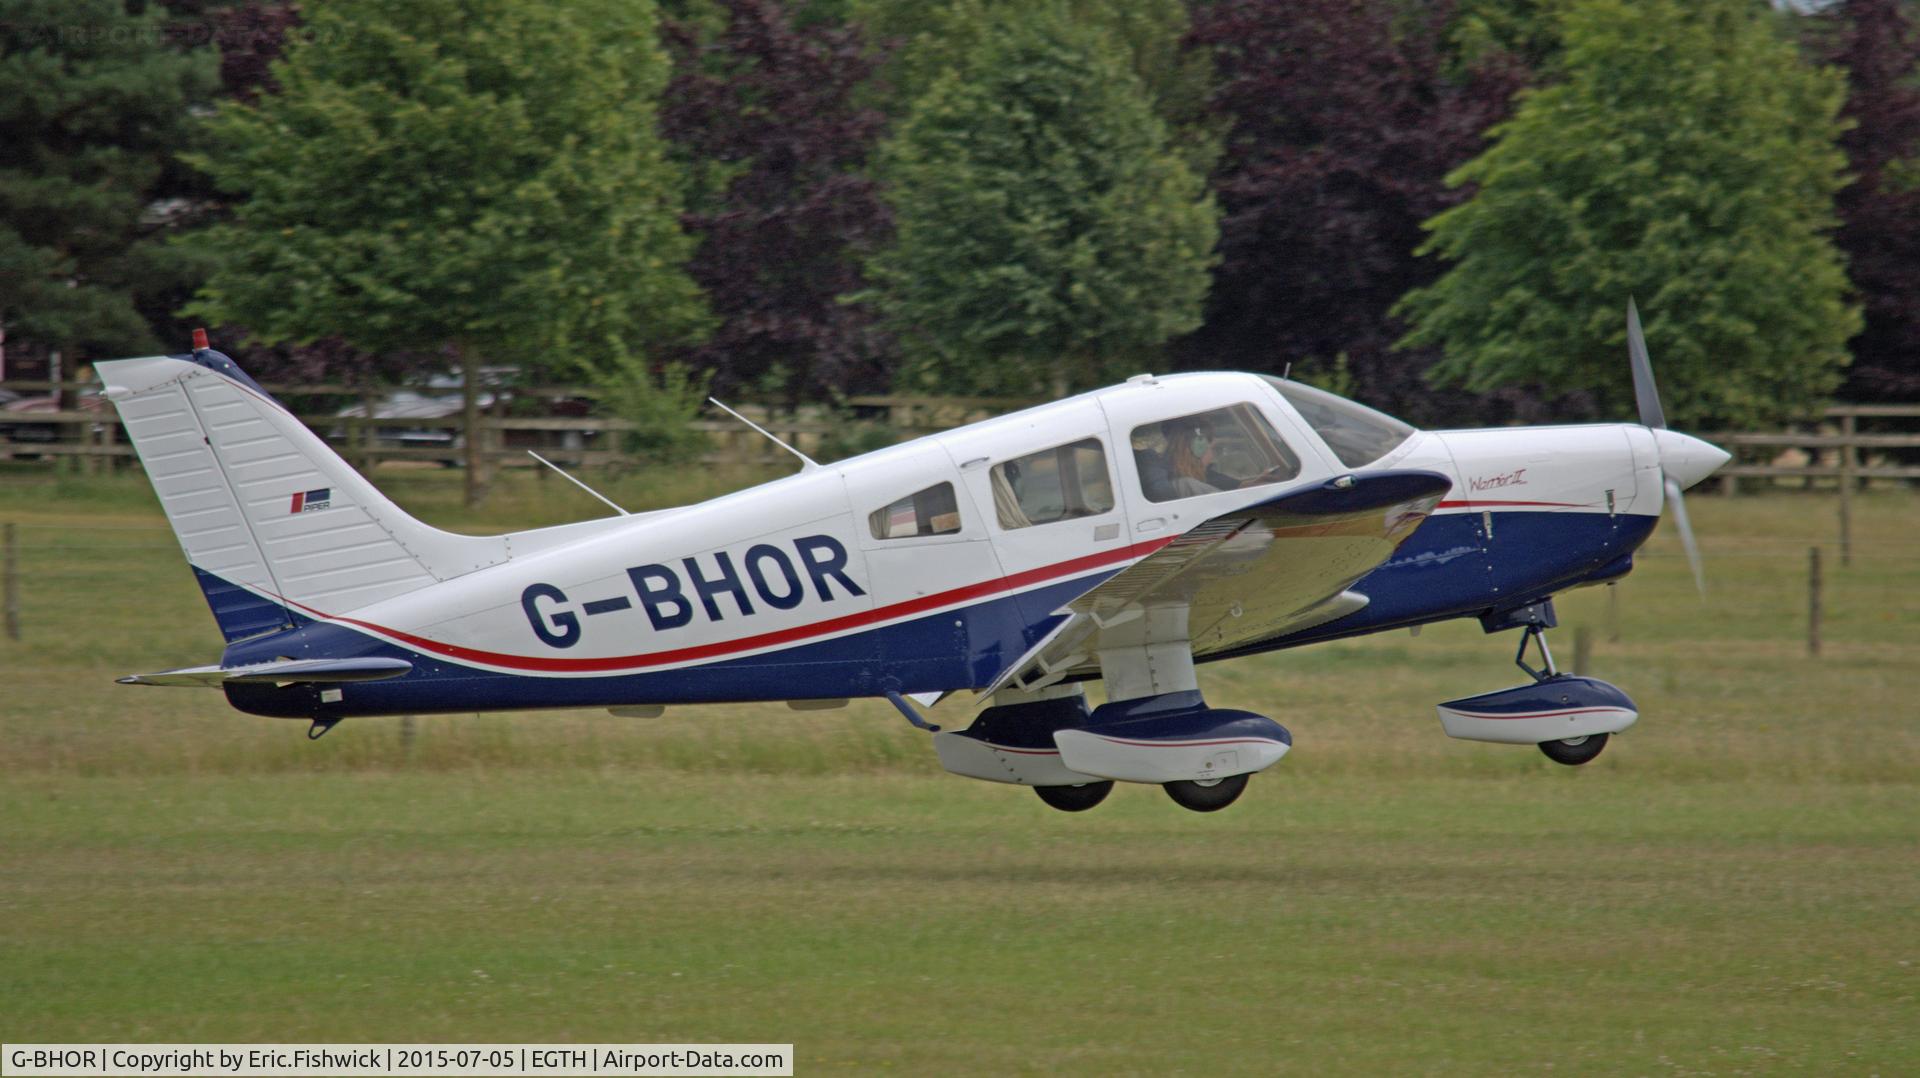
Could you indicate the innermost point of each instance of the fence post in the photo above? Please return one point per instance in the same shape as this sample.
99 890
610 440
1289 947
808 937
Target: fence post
1813 601
1582 648
9 581
476 450
368 436
1848 427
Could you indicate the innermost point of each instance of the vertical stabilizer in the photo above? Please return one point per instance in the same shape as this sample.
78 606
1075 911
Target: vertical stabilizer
276 525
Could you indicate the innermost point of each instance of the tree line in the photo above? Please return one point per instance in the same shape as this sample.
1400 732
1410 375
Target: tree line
1439 208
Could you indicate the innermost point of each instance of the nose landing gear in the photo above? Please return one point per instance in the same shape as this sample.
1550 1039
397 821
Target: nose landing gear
1571 751
1536 633
1570 718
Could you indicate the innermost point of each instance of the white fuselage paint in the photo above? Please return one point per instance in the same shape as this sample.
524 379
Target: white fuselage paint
823 513
260 501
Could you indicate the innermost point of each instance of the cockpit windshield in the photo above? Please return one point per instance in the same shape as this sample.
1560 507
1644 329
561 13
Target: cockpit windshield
1356 433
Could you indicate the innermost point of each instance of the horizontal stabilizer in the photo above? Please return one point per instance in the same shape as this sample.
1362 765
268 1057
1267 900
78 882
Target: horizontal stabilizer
279 672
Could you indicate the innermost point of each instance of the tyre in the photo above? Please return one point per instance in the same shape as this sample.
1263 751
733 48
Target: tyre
1574 751
1207 796
1075 798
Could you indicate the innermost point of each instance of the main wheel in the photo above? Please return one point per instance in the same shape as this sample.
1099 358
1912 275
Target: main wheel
1075 798
1574 751
1210 796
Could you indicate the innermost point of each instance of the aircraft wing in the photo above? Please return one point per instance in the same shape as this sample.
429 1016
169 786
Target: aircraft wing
1274 567
278 672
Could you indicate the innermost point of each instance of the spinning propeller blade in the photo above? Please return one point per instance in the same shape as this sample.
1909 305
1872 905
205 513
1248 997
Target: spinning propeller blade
1644 392
1684 460
1686 535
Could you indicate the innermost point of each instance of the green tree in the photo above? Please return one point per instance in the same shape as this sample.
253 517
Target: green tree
941 36
1048 234
93 104
1525 30
476 175
1688 160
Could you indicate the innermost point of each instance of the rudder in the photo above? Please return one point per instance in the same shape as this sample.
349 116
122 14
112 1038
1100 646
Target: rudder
276 525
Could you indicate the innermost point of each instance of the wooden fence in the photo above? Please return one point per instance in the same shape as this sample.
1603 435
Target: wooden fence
92 439
1834 449
1832 452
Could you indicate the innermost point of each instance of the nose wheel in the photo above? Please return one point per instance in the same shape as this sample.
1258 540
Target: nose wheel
1574 751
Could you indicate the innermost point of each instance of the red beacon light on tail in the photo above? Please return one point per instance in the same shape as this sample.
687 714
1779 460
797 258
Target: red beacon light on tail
200 340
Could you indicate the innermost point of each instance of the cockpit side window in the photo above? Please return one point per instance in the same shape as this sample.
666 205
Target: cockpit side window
1061 483
1356 433
1207 452
932 511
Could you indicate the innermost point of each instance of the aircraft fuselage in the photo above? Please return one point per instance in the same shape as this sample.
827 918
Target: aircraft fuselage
931 566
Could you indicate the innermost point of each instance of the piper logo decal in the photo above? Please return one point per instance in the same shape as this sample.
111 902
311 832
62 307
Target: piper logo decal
311 500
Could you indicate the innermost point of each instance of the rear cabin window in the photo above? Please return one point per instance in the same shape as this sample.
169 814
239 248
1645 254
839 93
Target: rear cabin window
932 511
1208 452
1061 483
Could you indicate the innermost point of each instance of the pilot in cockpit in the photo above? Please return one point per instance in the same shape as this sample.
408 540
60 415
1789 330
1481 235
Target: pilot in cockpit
1186 467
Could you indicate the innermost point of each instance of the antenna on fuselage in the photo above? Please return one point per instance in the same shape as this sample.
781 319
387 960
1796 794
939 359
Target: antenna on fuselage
1286 375
578 483
804 459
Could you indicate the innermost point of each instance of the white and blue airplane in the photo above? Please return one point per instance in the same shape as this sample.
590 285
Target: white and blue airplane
1124 535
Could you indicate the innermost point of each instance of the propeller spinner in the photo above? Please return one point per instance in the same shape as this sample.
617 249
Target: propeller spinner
1684 459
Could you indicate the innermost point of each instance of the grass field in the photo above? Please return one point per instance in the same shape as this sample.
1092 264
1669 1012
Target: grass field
1732 888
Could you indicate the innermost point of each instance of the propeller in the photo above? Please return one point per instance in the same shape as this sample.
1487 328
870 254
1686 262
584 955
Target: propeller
1684 460
1645 393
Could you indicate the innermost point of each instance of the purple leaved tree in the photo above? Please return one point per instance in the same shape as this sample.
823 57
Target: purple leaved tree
771 113
1341 121
1877 44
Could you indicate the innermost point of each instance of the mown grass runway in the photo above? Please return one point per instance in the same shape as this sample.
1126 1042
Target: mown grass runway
1731 888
